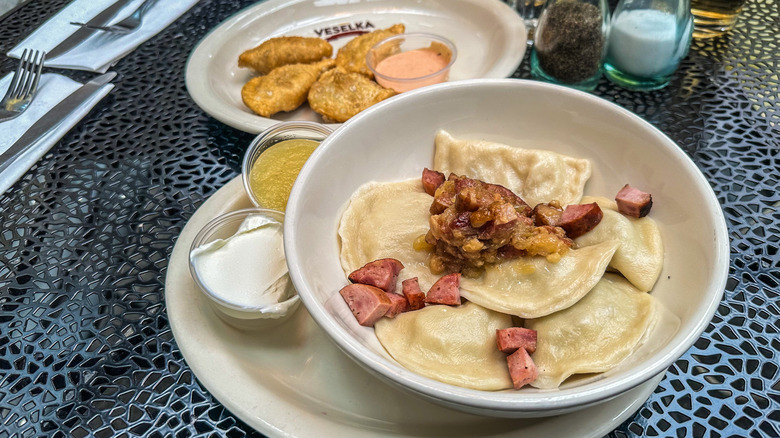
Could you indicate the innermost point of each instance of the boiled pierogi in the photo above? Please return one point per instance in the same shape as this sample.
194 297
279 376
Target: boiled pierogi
640 256
536 176
586 321
383 220
531 287
595 334
455 345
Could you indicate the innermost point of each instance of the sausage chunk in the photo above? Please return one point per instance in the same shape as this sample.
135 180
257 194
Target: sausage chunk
633 202
367 303
446 290
413 294
513 338
547 214
381 273
578 219
522 369
431 180
398 304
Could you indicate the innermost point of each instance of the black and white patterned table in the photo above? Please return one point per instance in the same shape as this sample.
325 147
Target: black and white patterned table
85 344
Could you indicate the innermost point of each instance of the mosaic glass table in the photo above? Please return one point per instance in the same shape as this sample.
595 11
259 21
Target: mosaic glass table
86 348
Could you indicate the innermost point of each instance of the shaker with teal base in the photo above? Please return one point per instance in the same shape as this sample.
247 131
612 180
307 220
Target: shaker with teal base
647 41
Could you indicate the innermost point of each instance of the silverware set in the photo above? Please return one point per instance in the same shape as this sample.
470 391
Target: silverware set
127 25
24 83
100 23
52 119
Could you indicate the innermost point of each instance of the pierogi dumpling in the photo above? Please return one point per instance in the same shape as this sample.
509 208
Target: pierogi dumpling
455 345
531 287
536 176
595 334
382 220
640 255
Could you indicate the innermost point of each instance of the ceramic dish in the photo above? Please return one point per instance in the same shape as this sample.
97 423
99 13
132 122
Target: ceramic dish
291 381
490 38
621 147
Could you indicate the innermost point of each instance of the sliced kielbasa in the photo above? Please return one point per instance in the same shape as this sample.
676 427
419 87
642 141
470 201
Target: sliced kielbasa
446 290
367 303
431 180
512 338
381 273
398 304
413 294
633 202
578 219
522 369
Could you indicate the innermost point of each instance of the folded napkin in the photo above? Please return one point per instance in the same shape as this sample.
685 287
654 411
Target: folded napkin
100 50
52 89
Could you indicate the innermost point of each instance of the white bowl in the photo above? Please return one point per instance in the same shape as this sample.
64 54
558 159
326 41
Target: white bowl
394 141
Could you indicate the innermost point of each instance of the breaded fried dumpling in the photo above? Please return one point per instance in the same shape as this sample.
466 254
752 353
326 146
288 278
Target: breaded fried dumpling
339 95
284 89
352 57
280 51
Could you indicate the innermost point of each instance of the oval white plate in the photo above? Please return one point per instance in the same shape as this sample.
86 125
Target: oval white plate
292 381
489 35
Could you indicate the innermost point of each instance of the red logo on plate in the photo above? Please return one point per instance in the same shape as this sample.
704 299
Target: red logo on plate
331 33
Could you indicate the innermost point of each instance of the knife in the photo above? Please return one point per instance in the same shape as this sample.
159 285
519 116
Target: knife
52 119
83 33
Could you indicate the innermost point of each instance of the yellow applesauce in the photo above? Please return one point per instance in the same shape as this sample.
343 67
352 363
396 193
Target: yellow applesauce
273 173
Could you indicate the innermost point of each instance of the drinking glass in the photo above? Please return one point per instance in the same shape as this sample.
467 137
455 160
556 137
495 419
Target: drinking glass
712 18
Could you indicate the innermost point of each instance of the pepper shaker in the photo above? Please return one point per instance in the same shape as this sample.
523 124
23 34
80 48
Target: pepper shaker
570 42
647 41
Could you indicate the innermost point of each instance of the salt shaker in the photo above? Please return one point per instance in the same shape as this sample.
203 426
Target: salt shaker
647 41
570 42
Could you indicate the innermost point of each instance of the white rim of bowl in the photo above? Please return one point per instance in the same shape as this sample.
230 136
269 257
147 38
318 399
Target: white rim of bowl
511 401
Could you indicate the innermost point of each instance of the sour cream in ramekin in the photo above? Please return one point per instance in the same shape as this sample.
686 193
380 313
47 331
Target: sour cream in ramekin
238 261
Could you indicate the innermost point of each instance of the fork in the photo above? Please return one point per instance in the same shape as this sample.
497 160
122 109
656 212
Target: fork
23 86
127 25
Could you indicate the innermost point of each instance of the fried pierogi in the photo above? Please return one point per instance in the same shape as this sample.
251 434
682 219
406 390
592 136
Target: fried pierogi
537 176
455 345
339 95
280 51
284 89
640 256
352 57
594 335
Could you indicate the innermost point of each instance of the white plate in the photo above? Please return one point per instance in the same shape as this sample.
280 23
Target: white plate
489 35
293 381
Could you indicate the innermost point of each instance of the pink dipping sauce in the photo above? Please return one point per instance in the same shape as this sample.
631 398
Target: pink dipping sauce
409 65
